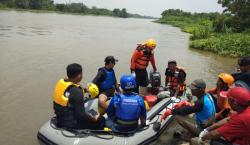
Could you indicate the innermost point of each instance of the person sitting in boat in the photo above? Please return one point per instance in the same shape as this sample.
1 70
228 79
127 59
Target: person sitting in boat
204 109
223 108
127 108
234 129
106 82
243 76
142 55
175 79
68 103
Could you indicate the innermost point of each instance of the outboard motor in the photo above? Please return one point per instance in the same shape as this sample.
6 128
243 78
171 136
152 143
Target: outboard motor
155 79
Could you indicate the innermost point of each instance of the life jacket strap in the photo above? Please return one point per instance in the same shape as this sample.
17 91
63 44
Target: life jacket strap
122 122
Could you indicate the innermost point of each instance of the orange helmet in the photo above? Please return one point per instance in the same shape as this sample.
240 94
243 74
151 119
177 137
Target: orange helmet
151 43
227 78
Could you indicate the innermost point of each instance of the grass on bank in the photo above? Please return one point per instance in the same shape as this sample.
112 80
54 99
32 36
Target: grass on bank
204 37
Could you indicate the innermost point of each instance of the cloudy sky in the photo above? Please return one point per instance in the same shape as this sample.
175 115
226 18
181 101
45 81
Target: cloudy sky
152 7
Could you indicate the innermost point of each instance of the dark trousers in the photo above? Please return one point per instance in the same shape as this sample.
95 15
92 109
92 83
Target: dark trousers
141 78
99 125
220 142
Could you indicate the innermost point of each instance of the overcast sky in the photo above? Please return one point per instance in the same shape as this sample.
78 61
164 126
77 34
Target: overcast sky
152 7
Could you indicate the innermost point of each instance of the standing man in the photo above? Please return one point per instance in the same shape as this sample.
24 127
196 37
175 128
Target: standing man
139 63
175 79
69 104
106 82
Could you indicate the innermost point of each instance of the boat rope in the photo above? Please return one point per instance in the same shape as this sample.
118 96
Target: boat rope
86 132
83 133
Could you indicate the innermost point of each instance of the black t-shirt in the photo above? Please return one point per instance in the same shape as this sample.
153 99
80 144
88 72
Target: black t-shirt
245 77
181 76
76 103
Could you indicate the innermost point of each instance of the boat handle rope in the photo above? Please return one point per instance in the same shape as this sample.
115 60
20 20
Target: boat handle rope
84 133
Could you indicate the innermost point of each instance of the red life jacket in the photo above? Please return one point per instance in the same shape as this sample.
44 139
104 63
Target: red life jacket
173 80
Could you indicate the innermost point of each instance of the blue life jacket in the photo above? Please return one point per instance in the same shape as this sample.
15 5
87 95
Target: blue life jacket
128 107
207 113
109 81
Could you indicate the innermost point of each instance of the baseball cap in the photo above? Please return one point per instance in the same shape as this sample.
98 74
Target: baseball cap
110 59
172 61
198 84
239 94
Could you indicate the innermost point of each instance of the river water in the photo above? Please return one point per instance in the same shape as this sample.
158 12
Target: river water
35 48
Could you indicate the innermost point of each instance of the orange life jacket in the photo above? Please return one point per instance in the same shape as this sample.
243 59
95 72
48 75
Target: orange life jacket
222 102
173 80
143 57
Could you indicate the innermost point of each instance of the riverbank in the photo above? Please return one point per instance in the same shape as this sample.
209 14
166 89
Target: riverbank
203 35
72 8
48 11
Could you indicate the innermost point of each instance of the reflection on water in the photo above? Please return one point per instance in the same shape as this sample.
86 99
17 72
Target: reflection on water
6 31
35 48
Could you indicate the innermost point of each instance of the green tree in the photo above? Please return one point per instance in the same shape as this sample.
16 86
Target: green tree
240 12
41 4
76 8
120 13
61 7
117 12
124 13
175 12
24 4
8 3
35 4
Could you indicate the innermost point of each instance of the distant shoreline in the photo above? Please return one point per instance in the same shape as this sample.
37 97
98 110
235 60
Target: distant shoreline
203 35
50 11
90 12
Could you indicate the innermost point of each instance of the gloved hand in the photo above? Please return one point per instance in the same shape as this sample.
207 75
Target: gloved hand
182 103
200 141
166 114
133 74
202 134
173 99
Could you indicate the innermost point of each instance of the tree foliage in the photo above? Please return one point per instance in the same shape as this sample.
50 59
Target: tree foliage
120 13
79 8
240 13
212 31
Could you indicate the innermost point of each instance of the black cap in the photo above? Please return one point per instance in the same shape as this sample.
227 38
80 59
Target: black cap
198 84
172 62
110 59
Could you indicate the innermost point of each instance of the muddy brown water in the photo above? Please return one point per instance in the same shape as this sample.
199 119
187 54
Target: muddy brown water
35 48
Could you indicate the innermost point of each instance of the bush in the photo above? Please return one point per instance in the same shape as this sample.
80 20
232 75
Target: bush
234 45
212 32
247 31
